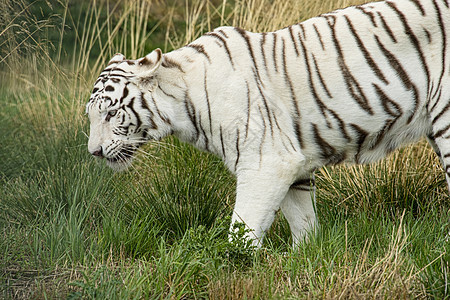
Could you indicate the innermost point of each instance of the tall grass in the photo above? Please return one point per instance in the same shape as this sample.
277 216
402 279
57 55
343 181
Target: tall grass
160 230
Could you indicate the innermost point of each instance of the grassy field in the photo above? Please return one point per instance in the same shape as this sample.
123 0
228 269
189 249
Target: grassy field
71 228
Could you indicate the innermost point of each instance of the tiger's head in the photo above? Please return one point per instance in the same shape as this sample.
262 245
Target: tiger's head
122 111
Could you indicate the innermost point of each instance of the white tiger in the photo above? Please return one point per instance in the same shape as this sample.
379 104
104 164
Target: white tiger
347 86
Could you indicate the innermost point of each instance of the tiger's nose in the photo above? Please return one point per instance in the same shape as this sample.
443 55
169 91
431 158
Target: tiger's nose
98 152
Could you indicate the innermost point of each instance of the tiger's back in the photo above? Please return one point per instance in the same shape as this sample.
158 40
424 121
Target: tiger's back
356 83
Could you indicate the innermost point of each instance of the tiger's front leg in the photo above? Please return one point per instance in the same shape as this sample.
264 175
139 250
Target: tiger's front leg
259 195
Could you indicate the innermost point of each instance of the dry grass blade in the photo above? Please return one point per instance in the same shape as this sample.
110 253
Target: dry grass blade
388 277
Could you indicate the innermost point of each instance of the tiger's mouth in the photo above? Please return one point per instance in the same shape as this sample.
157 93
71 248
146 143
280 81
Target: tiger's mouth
122 156
122 160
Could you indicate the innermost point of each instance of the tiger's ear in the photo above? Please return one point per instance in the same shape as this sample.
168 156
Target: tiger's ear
147 67
118 57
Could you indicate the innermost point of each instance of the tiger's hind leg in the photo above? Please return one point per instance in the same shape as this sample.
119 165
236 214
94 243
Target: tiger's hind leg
443 144
298 207
440 137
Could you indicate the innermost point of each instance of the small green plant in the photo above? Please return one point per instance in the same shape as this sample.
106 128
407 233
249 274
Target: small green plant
225 245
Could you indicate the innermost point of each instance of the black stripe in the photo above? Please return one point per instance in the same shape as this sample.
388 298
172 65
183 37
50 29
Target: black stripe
145 134
303 184
366 53
144 103
138 119
282 133
428 35
120 70
208 104
266 106
322 82
389 105
221 141
327 151
439 91
169 63
190 109
166 120
263 41
100 78
127 77
107 98
237 149
224 43
381 134
368 14
248 110
443 111
288 81
312 88
124 94
360 139
203 132
320 37
331 20
200 49
274 51
114 102
341 124
301 187
418 6
146 107
223 33
352 84
293 40
306 181
444 42
395 64
413 40
120 130
165 93
244 35
302 31
323 108
441 132
298 131
274 116
264 133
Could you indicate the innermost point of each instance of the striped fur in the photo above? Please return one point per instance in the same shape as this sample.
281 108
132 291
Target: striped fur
348 86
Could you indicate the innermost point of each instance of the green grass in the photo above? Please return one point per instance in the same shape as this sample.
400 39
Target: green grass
71 228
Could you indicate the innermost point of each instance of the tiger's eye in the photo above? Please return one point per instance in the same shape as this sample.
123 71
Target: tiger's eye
110 114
